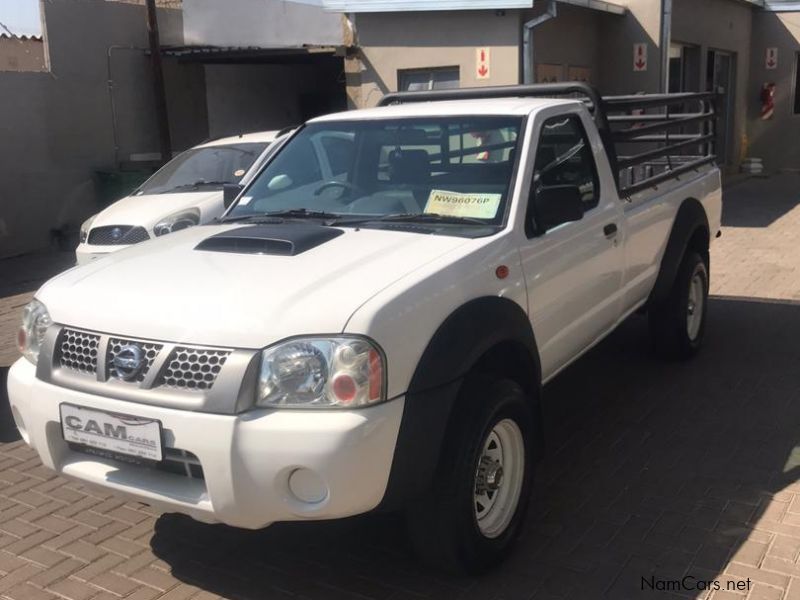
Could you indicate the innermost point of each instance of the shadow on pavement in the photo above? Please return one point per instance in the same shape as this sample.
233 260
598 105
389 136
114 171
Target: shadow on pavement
759 202
8 431
654 470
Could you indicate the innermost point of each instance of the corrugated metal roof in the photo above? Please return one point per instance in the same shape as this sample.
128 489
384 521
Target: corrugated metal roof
23 38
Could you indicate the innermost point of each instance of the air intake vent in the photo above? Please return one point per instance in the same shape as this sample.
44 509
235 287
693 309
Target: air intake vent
287 239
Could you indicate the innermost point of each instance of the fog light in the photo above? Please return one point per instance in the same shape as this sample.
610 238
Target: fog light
307 486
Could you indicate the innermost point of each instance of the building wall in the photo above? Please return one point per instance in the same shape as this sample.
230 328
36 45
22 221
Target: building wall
21 54
640 25
551 55
57 126
775 140
727 26
411 40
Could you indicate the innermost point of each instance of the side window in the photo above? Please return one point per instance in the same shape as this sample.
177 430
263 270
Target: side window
564 157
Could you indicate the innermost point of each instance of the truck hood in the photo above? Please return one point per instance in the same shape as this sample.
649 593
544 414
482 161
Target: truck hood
169 290
148 209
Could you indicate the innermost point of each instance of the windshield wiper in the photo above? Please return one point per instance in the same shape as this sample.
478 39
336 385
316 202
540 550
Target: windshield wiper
293 213
415 218
196 184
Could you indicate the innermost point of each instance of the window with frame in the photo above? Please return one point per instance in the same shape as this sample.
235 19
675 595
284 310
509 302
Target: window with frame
564 157
415 80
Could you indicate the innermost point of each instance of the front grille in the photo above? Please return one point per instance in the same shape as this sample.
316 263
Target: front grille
149 350
117 235
193 368
77 351
181 462
175 461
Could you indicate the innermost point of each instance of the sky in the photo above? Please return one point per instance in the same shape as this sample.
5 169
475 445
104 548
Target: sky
21 16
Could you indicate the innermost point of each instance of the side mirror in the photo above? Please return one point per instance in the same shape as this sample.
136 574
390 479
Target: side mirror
555 205
230 191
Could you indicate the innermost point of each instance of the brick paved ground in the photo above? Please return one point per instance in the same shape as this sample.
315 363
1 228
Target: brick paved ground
653 471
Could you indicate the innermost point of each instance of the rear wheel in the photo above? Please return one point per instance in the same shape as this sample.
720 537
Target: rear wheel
471 518
678 324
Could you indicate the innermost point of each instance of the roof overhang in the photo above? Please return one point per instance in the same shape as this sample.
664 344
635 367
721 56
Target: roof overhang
782 6
601 5
253 55
373 6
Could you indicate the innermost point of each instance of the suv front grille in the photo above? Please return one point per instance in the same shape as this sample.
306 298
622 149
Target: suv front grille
179 367
77 351
117 235
193 368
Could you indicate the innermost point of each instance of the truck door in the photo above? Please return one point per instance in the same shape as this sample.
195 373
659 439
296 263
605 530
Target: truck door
573 270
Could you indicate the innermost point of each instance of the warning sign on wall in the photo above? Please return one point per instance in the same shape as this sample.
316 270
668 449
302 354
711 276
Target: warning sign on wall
772 58
483 63
640 57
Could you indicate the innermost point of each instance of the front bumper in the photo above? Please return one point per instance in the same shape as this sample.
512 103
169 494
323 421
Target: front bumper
247 459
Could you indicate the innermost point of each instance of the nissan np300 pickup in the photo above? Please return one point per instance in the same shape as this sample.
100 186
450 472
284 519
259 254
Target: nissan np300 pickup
375 336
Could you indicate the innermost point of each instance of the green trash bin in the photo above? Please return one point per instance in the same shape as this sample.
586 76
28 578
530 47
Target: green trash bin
113 185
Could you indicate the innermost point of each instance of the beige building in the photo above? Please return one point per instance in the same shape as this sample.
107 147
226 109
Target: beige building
621 46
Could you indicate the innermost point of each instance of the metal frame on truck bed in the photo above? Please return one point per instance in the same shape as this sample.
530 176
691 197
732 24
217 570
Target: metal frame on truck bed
634 135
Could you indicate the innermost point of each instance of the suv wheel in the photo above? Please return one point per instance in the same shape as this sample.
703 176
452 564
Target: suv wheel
474 513
678 324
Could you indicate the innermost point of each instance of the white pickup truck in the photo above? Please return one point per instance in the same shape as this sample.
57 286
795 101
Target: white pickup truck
378 339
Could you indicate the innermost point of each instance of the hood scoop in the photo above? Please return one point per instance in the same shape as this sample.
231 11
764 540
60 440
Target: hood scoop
287 239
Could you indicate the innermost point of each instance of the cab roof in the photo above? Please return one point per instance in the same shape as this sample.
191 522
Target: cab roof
264 137
442 108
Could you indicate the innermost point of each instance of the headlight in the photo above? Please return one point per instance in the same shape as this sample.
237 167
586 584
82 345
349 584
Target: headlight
85 227
35 321
177 221
337 372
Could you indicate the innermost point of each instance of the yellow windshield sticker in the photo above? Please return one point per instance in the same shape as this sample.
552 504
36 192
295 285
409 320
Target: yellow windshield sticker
456 204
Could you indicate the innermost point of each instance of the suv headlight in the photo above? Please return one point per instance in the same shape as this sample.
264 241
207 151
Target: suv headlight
35 321
175 222
335 372
85 227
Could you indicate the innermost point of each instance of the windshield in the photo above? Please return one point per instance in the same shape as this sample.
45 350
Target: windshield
458 168
204 168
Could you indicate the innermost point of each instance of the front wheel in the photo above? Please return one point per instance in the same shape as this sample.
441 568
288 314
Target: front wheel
471 518
677 325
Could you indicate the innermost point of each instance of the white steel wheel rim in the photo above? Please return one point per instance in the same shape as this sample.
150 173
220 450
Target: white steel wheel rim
694 309
498 478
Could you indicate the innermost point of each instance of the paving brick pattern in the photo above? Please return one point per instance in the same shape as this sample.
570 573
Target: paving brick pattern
653 472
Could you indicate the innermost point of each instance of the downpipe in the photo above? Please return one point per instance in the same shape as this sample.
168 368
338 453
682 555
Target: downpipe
527 39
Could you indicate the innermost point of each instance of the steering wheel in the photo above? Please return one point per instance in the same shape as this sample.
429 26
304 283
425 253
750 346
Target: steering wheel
345 185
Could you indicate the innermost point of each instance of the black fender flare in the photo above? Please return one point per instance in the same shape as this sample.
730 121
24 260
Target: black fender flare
466 336
690 219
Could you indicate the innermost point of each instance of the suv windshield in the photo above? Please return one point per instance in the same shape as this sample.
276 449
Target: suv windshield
206 168
433 170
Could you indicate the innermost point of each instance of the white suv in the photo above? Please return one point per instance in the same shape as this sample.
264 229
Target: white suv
373 333
187 191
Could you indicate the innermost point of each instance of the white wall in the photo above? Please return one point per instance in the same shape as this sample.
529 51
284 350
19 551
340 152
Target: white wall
260 23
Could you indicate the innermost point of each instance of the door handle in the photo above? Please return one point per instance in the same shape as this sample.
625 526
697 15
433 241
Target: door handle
610 230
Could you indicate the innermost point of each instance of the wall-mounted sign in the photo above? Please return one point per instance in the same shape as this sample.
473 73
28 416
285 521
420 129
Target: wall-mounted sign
483 63
772 59
639 57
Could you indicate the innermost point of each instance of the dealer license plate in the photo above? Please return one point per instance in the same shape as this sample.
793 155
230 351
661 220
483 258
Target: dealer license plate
114 433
